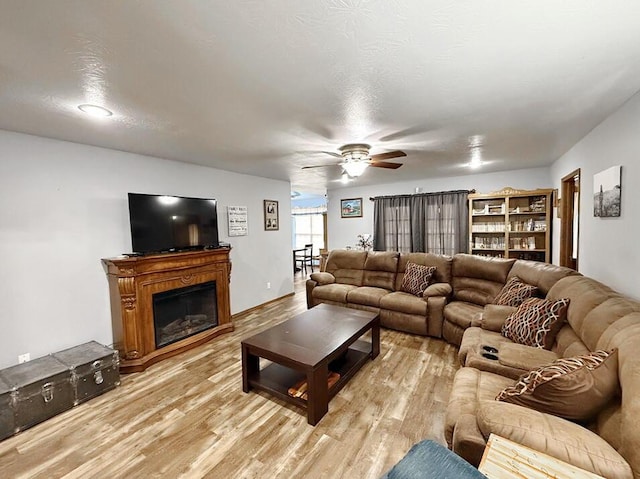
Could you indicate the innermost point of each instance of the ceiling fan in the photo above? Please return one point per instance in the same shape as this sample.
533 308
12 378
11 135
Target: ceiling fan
355 159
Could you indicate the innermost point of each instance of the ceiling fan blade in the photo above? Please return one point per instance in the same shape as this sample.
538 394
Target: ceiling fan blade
336 155
385 164
388 155
318 166
318 152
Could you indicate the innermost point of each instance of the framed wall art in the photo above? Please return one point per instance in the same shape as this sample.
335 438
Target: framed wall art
271 220
607 192
351 208
237 217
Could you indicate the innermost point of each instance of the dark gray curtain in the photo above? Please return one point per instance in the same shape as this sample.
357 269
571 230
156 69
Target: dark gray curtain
429 222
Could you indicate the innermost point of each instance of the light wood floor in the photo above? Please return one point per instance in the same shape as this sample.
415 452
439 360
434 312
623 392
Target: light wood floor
188 417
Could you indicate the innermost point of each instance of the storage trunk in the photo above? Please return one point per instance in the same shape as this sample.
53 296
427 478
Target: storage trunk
94 369
7 421
40 389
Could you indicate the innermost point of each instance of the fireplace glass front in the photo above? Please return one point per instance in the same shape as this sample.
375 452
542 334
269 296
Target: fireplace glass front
183 312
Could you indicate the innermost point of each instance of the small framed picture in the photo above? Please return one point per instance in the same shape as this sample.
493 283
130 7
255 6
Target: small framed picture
351 208
271 221
607 193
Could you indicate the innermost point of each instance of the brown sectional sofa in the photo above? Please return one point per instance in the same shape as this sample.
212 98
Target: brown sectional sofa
458 308
597 318
461 286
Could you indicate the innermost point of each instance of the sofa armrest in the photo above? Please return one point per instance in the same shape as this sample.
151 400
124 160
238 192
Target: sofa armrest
435 315
557 437
323 278
437 289
524 357
494 316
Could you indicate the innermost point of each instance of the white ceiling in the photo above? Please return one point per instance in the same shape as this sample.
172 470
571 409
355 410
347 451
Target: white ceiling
262 86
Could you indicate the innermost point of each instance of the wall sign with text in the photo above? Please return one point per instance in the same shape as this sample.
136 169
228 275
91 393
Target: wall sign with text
237 216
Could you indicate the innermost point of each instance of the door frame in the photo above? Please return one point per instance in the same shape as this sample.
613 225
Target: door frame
570 185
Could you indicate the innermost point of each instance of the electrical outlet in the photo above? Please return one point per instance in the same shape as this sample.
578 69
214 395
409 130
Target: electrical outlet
268 285
23 358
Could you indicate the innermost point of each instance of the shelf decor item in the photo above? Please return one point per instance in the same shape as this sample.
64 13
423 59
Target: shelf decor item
607 193
271 221
351 208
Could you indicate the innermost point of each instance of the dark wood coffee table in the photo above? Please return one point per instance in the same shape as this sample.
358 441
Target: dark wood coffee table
322 339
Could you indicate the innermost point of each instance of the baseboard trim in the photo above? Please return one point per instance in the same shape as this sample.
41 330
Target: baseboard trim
251 310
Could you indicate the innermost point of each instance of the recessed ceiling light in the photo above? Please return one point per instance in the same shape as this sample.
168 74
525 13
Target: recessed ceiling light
95 110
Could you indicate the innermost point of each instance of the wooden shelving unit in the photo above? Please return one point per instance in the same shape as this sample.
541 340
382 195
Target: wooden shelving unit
511 224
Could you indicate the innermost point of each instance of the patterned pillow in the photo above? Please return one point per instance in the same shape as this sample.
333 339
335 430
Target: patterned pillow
515 292
536 322
574 388
416 278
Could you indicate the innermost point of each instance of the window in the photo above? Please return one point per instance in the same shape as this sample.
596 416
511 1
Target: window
430 222
309 227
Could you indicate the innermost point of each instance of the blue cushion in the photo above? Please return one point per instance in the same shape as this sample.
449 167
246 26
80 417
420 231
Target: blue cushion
428 459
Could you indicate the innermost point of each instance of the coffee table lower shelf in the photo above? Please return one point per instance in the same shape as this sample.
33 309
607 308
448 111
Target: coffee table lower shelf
276 379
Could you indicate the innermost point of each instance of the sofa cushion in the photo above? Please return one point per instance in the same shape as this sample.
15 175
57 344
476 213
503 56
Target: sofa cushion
513 360
514 293
336 292
347 266
539 274
416 278
404 303
494 316
524 358
478 279
470 386
440 261
380 269
554 436
366 295
536 322
595 307
574 388
461 313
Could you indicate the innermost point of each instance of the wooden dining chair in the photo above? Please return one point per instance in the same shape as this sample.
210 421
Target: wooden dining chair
305 257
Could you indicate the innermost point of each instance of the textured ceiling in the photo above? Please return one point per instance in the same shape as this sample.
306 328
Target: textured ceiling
262 87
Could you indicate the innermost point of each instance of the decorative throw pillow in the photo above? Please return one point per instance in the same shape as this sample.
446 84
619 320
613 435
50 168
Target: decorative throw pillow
574 388
536 322
416 278
515 292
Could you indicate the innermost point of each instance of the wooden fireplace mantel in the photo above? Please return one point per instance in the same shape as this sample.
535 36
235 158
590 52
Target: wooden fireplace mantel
134 280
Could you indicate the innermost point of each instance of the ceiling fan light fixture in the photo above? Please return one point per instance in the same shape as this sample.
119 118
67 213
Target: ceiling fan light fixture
355 168
355 151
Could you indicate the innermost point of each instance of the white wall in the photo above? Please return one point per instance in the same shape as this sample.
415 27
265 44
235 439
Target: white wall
344 231
609 248
64 207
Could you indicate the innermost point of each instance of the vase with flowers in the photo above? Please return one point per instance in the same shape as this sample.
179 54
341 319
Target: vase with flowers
365 242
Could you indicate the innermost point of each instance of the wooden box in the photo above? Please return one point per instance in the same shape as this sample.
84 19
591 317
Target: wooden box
94 369
40 389
7 421
505 459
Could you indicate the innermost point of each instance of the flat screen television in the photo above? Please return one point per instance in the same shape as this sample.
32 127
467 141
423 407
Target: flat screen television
172 223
